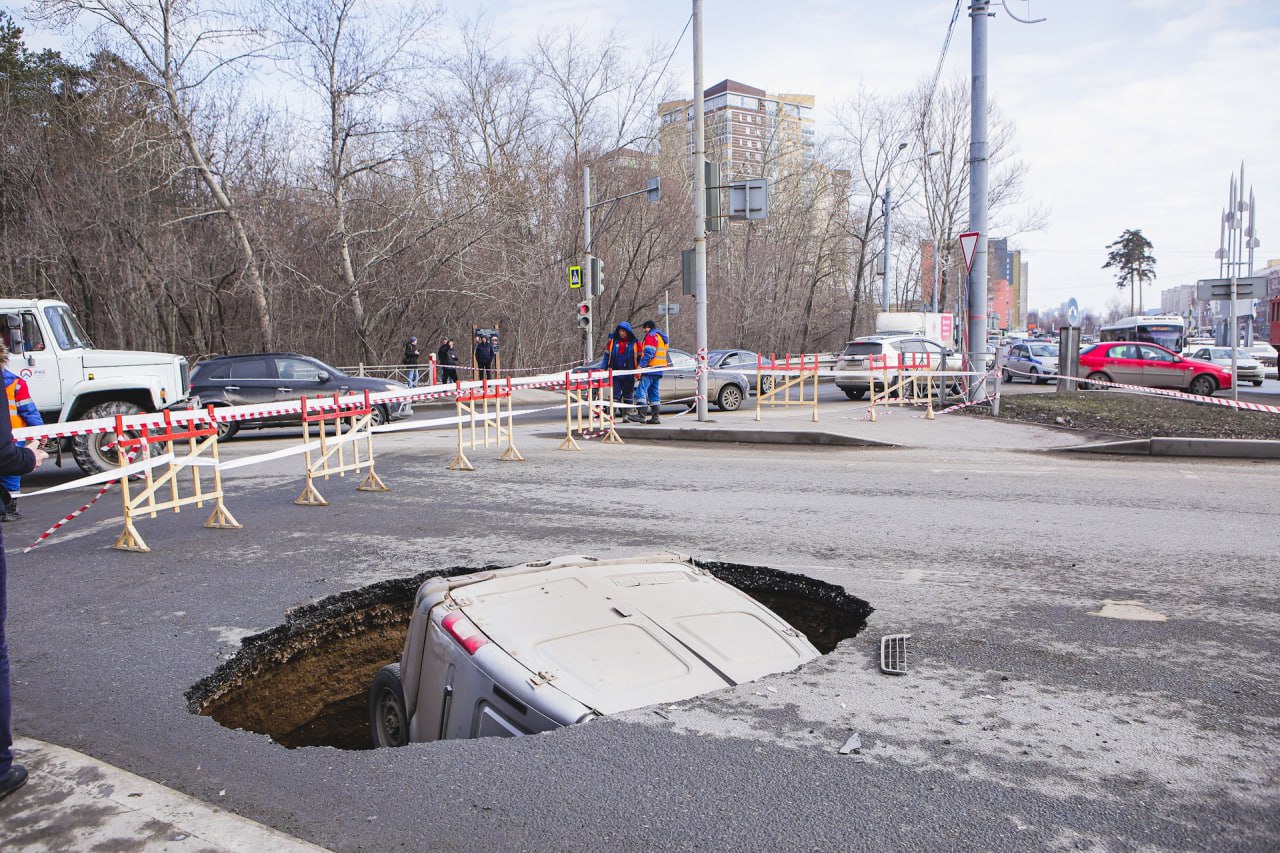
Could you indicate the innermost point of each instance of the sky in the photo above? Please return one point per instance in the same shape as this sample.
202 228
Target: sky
1129 114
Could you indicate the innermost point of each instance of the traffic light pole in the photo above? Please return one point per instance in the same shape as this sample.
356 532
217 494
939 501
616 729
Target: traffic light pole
588 332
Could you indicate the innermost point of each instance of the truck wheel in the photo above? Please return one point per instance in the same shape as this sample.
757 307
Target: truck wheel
91 451
388 721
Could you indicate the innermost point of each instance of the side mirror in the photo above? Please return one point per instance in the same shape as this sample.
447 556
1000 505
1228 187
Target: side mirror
322 377
14 333
950 352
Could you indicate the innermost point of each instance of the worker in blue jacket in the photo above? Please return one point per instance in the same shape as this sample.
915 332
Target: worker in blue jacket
622 352
653 357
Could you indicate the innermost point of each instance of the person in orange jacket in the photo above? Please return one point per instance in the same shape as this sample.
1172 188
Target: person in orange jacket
22 412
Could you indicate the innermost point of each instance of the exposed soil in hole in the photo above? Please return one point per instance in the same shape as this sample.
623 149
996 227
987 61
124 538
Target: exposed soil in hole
306 682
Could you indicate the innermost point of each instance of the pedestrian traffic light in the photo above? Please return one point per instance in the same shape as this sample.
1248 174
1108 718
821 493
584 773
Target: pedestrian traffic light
584 315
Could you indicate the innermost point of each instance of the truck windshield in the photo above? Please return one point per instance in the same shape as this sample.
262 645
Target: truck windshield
66 328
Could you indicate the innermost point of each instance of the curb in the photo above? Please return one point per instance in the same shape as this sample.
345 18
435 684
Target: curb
75 802
811 438
1220 448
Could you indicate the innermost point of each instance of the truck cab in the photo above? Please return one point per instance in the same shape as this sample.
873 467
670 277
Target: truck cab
71 379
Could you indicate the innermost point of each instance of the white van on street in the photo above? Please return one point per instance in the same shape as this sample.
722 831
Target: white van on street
547 644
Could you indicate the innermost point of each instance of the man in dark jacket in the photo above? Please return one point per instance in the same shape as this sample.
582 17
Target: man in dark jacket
447 358
622 352
485 354
410 361
14 461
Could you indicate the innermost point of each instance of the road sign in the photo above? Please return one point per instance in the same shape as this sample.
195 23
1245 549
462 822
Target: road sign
1073 312
1247 287
575 276
668 308
968 245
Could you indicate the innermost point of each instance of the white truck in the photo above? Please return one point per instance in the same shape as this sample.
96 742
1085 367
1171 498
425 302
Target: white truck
926 324
72 380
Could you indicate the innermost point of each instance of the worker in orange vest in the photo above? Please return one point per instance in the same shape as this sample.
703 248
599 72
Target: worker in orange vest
653 354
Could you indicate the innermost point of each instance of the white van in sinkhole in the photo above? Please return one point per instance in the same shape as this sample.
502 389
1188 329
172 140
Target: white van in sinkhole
547 644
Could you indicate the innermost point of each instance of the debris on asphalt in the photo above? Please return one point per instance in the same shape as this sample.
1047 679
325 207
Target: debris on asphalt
853 744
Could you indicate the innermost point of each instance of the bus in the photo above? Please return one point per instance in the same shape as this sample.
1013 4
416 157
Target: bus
1168 331
1273 317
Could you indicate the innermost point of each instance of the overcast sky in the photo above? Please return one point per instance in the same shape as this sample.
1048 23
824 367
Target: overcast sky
1128 113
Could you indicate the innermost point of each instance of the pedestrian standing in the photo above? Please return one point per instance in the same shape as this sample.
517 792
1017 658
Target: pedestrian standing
653 356
22 413
622 353
14 461
485 354
410 362
447 358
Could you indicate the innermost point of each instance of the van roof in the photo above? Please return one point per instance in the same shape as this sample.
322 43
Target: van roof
620 634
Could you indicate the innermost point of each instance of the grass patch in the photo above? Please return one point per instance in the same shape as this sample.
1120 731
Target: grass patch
1135 416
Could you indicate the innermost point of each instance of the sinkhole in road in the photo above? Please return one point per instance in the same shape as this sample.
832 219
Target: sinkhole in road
306 682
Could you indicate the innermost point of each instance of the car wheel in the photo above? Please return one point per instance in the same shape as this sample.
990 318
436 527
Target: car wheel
1257 383
1203 386
388 720
96 453
378 416
226 429
1037 378
730 398
854 393
1093 379
1006 376
766 384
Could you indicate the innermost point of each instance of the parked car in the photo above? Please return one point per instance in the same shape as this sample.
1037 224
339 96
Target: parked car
1263 352
1248 368
274 377
740 361
853 369
1034 361
1151 366
547 644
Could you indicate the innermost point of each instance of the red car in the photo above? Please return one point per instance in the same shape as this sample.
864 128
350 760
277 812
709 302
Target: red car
1130 363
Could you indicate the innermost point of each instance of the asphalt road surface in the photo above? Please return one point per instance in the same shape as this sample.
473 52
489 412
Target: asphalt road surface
1027 721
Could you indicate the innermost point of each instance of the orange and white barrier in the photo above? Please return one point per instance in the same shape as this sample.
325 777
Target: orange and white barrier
466 402
198 440
589 397
358 419
790 382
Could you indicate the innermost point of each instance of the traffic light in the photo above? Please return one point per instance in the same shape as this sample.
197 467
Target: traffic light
597 276
584 315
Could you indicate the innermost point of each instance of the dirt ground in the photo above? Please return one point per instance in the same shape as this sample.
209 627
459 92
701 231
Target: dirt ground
1135 416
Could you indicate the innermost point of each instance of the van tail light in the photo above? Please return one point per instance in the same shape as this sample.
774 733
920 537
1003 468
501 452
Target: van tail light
464 631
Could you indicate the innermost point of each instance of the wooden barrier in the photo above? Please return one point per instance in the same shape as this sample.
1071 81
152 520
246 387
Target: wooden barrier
904 380
797 376
359 419
466 403
198 441
589 396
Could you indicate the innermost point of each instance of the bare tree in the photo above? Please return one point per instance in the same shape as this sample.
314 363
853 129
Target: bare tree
183 45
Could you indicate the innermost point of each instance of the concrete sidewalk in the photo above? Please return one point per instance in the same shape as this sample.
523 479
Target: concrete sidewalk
74 802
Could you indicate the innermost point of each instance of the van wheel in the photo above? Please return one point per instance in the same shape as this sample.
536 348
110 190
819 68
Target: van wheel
388 721
96 453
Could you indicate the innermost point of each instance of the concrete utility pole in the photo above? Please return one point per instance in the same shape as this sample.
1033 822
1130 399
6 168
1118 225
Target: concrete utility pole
979 12
884 264
699 214
589 332
977 309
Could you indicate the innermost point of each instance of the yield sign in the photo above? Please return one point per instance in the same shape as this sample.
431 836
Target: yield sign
969 243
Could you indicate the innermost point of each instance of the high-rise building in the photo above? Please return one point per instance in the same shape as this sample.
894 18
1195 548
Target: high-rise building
750 133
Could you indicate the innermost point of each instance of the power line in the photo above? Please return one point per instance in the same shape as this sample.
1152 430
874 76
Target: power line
942 57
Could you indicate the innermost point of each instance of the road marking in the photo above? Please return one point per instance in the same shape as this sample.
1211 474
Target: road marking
1133 611
1190 476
